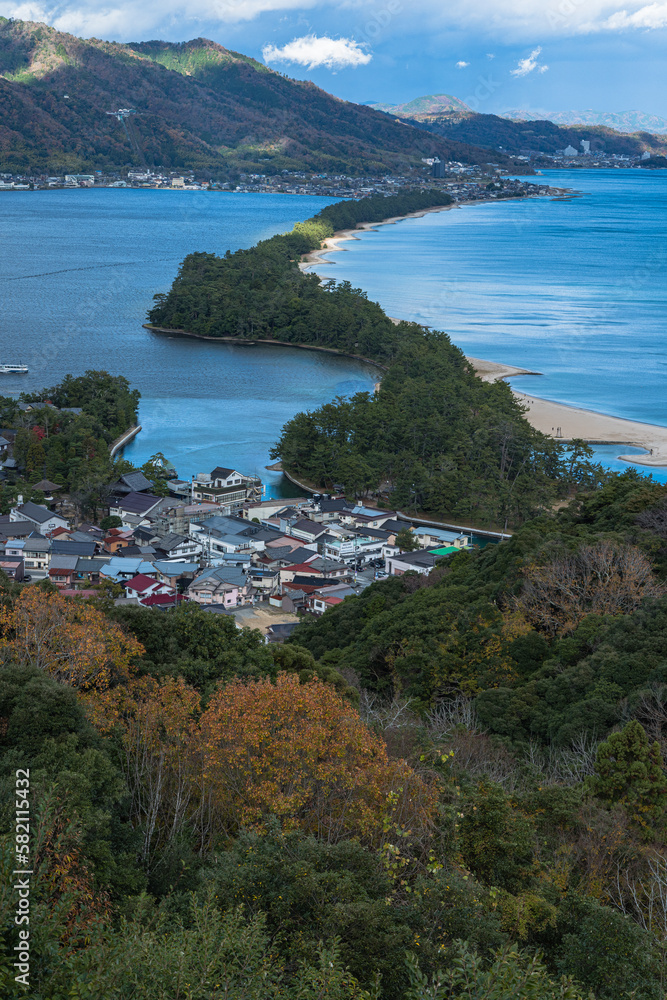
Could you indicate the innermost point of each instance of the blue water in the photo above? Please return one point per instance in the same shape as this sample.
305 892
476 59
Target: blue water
78 270
574 289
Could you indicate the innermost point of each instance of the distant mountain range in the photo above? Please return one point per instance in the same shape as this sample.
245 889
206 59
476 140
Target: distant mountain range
198 106
621 121
520 132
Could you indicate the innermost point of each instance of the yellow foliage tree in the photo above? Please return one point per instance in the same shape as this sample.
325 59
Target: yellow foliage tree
71 640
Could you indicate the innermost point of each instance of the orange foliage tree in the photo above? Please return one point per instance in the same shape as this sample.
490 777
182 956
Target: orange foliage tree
300 752
69 639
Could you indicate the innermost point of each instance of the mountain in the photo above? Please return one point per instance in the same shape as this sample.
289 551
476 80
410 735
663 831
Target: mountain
621 121
518 137
198 106
432 104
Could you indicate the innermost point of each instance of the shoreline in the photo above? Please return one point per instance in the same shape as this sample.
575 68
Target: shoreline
591 426
558 420
240 341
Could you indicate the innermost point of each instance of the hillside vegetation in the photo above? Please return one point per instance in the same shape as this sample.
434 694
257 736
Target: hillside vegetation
460 124
448 788
199 105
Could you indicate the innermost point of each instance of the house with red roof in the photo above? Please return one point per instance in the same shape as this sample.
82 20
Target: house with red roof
142 586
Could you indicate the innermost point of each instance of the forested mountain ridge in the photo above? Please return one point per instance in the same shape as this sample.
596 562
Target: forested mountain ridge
454 121
199 106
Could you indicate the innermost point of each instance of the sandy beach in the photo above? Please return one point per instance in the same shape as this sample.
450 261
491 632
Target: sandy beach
333 242
556 419
567 422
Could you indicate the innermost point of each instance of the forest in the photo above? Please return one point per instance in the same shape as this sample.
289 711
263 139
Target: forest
53 440
451 786
434 438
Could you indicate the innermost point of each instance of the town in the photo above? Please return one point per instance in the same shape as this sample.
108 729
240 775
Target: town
217 542
464 181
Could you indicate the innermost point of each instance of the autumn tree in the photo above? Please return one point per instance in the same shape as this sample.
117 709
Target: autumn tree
603 578
68 639
301 752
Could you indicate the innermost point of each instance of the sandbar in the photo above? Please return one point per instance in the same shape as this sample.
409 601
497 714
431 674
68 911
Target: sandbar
558 420
566 422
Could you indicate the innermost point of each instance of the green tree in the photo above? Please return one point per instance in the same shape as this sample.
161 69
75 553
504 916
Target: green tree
630 771
406 540
510 974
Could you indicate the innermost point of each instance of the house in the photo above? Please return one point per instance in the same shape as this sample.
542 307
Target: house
36 556
131 482
119 568
227 487
12 566
367 517
72 548
117 539
43 519
163 601
177 574
88 570
264 581
62 570
265 509
305 529
133 505
411 562
142 586
318 603
176 518
177 547
15 529
280 631
428 537
226 586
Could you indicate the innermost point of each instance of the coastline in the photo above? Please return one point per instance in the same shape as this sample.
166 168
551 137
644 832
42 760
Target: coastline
239 341
331 242
557 420
591 426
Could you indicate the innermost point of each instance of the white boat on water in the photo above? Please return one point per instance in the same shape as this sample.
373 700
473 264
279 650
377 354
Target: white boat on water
13 369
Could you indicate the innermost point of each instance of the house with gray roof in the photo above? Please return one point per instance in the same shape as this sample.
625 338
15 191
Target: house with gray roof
41 517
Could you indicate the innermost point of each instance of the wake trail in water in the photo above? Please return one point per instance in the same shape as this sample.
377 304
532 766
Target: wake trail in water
89 267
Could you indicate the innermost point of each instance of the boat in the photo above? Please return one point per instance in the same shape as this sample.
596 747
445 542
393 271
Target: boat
13 369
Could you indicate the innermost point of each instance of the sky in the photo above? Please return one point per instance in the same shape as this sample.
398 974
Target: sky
605 55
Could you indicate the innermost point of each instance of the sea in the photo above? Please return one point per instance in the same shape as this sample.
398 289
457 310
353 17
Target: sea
78 271
574 288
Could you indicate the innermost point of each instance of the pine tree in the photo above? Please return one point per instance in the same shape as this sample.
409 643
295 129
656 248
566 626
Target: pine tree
629 771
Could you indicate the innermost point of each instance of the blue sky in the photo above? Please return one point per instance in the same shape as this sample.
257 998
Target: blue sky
607 55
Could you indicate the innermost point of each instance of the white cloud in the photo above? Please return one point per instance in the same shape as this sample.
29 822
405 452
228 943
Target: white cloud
654 15
505 21
312 51
529 64
461 64
126 20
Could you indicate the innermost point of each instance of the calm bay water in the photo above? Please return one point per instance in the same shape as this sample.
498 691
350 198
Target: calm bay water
78 270
574 289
